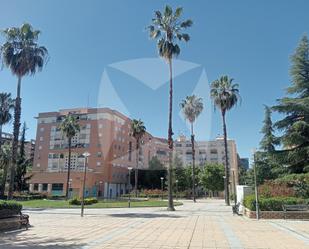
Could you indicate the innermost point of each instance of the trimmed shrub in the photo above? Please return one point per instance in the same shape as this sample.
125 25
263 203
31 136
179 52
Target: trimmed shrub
272 203
87 201
9 208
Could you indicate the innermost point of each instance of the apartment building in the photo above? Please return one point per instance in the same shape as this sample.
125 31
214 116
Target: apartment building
105 134
208 151
7 139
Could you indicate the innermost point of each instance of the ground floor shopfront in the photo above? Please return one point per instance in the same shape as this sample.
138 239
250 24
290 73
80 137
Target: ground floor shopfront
54 184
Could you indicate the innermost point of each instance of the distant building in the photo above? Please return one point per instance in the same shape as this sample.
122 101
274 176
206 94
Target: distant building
7 139
105 134
208 151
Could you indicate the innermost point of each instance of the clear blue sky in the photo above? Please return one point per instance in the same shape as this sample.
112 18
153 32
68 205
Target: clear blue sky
249 40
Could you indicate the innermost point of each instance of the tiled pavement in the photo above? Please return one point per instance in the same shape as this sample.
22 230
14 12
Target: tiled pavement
205 224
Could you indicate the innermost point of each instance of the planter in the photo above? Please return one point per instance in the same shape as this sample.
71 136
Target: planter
295 215
7 213
11 223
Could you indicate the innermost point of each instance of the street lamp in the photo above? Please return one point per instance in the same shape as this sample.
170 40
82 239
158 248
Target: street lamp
257 211
129 203
100 188
234 187
162 178
86 155
176 190
70 187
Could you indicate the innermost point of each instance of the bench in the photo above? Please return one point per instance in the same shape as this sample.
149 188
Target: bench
235 208
24 220
295 208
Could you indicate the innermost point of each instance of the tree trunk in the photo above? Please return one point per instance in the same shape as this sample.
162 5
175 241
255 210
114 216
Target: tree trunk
2 186
227 175
193 164
17 114
170 142
136 167
69 170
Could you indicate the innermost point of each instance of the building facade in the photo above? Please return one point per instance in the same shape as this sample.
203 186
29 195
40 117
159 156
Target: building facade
208 151
105 134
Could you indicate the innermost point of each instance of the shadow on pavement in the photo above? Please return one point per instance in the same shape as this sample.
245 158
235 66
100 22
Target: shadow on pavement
141 215
16 240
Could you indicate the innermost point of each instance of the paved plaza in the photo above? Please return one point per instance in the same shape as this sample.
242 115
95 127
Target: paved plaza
205 224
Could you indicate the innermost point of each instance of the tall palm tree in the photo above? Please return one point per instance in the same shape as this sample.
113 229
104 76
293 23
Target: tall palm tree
138 129
24 56
167 28
192 106
69 127
5 155
6 107
225 95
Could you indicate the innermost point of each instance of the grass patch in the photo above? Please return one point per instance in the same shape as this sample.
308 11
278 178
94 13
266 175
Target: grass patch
100 204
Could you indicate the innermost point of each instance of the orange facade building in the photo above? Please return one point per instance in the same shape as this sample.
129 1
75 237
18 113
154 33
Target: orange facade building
105 134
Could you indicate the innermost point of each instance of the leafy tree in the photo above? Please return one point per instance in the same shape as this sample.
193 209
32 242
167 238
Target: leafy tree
269 140
138 130
23 164
167 27
295 107
24 56
5 156
192 106
69 127
225 95
6 107
211 177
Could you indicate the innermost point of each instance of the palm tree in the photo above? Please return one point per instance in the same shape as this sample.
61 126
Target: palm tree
6 107
167 28
225 95
5 155
69 127
24 56
192 106
138 130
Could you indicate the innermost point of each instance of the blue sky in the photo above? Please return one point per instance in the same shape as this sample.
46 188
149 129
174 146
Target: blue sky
249 40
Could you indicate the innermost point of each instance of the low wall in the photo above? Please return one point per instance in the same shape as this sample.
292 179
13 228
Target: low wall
295 215
11 223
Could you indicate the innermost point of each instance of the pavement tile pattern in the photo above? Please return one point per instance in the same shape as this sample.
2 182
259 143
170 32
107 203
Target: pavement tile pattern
205 224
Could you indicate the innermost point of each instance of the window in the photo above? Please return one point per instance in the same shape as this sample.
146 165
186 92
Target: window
57 186
40 147
98 163
45 187
178 145
100 126
36 187
100 134
41 139
38 165
41 129
99 154
213 151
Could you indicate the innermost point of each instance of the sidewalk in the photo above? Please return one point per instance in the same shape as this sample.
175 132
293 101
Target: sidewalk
205 224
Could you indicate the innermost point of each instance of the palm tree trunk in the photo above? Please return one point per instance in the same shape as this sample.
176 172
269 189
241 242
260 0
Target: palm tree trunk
136 167
3 180
17 113
69 170
193 164
227 175
170 142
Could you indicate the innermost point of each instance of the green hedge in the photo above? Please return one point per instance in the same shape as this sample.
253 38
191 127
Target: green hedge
87 201
272 203
9 208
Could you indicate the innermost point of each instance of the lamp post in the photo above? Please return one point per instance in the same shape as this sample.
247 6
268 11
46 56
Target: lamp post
100 188
70 187
234 187
257 211
162 178
129 202
176 190
86 155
